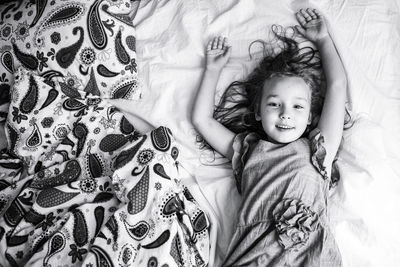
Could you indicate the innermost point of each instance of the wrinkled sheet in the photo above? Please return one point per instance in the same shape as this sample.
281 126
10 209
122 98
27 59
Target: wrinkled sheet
79 185
171 36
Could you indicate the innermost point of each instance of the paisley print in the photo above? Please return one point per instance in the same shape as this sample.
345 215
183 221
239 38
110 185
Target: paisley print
56 244
175 251
72 104
96 30
138 231
50 75
188 195
200 222
28 61
80 131
52 197
64 150
122 56
103 197
11 260
99 216
40 7
109 24
112 226
170 207
7 61
127 255
161 139
125 126
131 42
125 156
95 165
124 89
91 87
175 153
30 100
4 94
68 207
113 142
125 18
13 138
102 258
138 195
14 213
51 97
61 16
159 241
80 231
8 8
105 72
152 262
35 138
71 173
16 240
34 217
66 55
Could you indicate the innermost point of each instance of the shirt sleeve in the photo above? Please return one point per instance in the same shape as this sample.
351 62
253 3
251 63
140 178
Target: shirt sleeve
318 154
243 144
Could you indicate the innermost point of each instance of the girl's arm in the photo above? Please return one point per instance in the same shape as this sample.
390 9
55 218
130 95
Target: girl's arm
216 135
313 26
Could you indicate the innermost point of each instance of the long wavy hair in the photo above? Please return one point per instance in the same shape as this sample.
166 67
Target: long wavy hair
282 57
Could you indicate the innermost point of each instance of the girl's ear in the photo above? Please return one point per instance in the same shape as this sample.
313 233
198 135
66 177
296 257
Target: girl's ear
257 116
257 111
309 119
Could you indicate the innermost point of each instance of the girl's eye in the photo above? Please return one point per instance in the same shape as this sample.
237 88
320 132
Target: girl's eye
298 107
271 104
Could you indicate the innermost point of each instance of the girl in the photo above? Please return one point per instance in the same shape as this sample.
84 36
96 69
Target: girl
282 146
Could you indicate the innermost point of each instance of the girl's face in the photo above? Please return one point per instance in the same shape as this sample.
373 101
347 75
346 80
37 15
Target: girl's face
285 108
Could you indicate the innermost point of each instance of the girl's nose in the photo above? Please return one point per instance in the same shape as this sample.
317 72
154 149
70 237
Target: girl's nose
284 114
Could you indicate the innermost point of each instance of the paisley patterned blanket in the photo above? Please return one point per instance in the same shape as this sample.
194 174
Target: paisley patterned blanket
80 187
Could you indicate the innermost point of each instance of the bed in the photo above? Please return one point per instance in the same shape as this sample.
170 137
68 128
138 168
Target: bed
169 51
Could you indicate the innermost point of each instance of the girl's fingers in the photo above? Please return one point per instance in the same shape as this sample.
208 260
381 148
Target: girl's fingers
225 44
220 42
301 19
305 15
317 13
209 45
215 43
311 13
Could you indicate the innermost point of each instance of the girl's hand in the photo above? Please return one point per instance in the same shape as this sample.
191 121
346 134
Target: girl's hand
313 25
217 53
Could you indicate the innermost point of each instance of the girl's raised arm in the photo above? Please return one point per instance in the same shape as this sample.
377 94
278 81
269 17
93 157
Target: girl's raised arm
313 27
216 135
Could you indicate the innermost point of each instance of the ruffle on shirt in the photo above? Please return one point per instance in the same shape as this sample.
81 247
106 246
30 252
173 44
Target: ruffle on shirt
294 222
242 144
318 154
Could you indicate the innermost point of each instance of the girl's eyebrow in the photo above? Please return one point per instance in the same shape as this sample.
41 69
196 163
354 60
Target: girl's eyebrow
302 98
269 96
297 97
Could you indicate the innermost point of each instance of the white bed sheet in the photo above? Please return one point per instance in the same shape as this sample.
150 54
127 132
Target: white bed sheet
365 209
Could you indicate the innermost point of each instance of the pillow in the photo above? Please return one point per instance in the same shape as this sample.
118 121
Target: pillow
85 45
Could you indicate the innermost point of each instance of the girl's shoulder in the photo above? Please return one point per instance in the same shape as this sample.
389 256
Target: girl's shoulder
243 145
